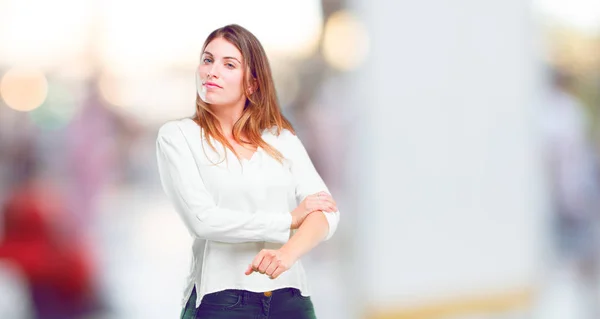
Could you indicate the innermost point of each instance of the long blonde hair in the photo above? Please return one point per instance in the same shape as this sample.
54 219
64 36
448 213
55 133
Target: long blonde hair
261 111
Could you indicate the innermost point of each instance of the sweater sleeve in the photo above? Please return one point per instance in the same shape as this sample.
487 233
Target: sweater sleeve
308 180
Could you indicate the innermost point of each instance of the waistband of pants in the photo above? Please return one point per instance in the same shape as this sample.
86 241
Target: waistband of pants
249 296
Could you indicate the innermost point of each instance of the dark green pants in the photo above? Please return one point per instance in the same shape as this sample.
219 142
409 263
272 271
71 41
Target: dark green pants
284 303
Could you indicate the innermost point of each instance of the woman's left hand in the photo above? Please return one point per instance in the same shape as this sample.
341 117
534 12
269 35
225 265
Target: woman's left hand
271 262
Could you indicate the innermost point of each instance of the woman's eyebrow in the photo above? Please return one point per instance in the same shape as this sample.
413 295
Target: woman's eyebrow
232 58
224 58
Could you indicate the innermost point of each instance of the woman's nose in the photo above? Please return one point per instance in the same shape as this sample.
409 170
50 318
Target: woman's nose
212 71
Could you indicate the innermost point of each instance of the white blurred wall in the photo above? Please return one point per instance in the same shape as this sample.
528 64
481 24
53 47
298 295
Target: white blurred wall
447 174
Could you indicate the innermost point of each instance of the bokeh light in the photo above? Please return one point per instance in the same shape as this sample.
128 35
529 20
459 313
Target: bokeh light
345 41
24 89
57 110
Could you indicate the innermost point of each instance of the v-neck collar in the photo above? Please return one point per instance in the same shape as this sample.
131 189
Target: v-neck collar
252 156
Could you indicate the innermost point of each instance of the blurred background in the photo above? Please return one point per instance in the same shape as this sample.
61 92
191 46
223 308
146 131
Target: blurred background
460 139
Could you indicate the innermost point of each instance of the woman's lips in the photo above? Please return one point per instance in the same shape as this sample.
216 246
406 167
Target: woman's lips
212 85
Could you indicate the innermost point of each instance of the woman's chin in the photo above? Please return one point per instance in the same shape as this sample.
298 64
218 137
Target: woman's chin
211 97
208 98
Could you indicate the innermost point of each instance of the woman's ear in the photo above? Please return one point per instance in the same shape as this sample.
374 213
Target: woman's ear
252 87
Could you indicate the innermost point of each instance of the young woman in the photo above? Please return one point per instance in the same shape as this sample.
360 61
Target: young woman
245 187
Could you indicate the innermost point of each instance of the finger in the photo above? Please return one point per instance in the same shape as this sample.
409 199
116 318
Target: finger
320 208
258 259
320 202
249 270
331 202
320 195
269 271
278 272
327 206
326 196
266 262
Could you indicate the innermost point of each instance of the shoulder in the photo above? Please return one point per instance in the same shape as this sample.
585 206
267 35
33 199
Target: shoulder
283 135
286 141
283 139
176 129
169 130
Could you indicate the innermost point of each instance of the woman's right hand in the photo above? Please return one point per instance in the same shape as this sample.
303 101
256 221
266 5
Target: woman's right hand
320 201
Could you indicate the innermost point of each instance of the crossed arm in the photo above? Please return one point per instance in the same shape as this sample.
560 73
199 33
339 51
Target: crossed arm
184 187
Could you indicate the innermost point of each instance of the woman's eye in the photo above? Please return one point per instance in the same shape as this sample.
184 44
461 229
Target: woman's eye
230 65
207 60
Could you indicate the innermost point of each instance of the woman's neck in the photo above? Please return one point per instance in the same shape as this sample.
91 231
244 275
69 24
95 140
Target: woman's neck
228 116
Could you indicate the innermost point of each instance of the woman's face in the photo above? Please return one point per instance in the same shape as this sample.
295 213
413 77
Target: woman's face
221 74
